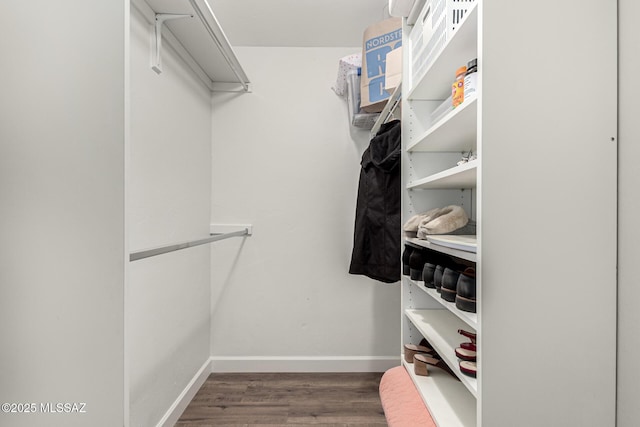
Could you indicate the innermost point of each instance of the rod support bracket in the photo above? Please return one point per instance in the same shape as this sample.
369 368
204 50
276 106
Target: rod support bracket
156 60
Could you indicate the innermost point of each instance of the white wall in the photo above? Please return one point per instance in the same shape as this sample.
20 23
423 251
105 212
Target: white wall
628 205
286 161
169 202
62 142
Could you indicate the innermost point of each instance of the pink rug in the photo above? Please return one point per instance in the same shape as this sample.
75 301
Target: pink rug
403 406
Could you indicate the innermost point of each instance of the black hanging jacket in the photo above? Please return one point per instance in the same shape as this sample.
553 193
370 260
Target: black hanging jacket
376 240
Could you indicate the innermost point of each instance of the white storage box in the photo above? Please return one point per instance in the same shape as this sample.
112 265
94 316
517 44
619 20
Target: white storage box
435 25
357 117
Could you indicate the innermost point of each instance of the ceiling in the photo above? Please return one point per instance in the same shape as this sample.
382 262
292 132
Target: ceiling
300 23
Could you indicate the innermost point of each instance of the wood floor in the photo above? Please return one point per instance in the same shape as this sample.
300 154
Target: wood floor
320 399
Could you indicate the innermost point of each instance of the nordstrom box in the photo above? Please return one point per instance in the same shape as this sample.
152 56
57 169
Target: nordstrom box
379 39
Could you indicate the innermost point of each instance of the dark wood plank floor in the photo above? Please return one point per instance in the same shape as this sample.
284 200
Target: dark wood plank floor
276 399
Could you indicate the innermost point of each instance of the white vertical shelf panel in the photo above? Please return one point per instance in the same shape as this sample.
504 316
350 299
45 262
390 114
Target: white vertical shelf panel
570 156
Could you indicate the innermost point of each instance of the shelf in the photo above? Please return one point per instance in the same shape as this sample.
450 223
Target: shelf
435 82
463 176
449 402
469 256
440 328
199 41
470 319
462 242
456 131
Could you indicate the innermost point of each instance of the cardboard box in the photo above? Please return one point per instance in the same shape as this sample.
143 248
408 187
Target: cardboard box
379 39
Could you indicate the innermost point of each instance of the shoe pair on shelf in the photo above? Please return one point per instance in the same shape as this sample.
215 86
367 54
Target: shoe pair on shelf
467 353
422 356
460 288
453 285
414 260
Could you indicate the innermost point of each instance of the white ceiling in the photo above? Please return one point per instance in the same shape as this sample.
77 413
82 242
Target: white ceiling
312 23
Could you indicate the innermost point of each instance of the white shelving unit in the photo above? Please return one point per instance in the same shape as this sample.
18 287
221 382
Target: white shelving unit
425 312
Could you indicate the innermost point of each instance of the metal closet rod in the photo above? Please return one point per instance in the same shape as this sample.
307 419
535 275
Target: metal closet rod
134 256
387 111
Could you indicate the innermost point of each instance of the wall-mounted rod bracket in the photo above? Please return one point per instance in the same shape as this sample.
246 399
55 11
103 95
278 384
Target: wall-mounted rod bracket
156 60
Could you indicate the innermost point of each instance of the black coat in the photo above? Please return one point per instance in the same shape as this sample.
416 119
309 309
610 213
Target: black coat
376 240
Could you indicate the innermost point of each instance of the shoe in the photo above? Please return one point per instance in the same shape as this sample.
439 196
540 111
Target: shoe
467 350
410 350
468 346
425 343
427 275
416 263
466 354
421 361
469 368
437 277
405 259
449 284
472 336
466 291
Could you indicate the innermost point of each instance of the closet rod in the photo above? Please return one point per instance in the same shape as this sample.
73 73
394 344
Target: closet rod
387 111
134 256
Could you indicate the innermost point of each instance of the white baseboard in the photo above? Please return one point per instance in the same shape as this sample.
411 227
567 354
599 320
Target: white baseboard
304 363
172 415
